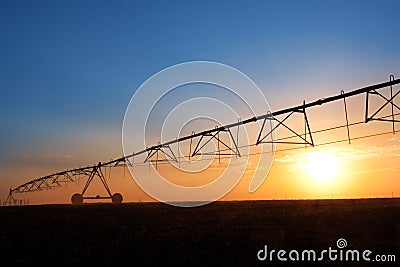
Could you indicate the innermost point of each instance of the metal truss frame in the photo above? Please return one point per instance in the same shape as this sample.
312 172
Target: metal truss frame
303 138
215 136
164 149
58 179
96 171
389 101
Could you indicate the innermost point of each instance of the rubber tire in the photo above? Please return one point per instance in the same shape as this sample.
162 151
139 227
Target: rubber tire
117 198
77 199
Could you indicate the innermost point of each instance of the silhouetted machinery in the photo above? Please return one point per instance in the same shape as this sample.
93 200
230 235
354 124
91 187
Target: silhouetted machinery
279 117
59 179
96 171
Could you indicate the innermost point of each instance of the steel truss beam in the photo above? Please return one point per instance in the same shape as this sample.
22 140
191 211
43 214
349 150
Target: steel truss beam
207 137
53 180
56 180
164 149
388 101
303 138
11 201
268 115
96 172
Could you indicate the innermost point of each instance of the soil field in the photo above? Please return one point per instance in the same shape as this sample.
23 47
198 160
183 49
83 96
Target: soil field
218 234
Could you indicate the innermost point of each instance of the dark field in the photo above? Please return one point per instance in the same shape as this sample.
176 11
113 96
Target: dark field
222 233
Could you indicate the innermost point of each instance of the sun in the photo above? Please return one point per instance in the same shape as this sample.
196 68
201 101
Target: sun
322 166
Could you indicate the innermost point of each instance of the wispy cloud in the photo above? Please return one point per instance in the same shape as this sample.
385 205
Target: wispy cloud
295 160
394 139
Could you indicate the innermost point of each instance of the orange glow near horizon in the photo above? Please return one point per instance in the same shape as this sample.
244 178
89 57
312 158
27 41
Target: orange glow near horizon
338 171
342 171
365 168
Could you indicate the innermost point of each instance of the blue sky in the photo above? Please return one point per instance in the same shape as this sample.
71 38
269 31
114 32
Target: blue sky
69 68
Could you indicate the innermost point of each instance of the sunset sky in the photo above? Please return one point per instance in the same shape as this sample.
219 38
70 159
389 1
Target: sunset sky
69 68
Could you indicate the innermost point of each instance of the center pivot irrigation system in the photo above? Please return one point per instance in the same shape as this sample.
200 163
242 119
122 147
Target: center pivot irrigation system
200 139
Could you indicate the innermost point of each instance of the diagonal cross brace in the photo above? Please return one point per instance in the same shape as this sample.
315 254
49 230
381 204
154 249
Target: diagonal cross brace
199 146
165 149
261 139
96 171
387 101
